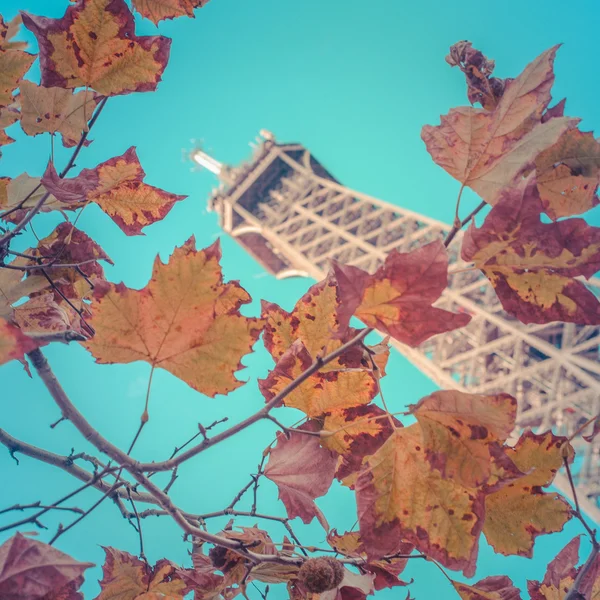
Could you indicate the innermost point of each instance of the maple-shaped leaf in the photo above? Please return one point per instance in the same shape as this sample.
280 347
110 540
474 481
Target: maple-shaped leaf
464 433
94 45
401 497
14 286
8 116
386 571
568 174
117 187
355 433
30 569
67 245
322 392
13 343
317 320
532 264
186 320
13 66
488 150
126 577
56 110
478 69
397 299
158 10
517 513
490 588
8 31
46 313
302 471
13 192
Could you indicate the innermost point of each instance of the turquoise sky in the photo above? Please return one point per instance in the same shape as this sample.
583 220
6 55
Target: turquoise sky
353 81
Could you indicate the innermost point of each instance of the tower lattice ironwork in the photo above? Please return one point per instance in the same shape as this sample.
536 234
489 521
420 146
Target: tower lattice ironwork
285 209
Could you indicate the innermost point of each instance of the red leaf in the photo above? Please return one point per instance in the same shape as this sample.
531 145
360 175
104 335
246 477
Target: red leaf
397 298
303 471
30 569
532 264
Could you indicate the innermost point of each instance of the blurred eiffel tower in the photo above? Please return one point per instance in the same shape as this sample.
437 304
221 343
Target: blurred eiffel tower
286 210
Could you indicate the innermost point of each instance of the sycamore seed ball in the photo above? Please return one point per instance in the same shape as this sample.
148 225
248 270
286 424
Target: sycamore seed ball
321 574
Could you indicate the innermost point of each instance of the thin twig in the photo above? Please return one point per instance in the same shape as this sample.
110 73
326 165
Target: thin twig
38 504
456 227
139 526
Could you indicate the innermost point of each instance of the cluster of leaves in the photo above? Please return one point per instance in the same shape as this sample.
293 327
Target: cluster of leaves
429 489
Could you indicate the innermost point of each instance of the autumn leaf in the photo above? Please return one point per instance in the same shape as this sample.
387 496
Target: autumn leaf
117 187
397 298
127 578
464 433
45 313
186 320
386 571
8 31
14 286
31 569
56 110
532 264
13 343
488 150
517 513
560 574
25 191
355 433
322 392
317 321
400 497
8 116
302 471
94 45
490 588
157 10
13 66
273 572
568 174
478 69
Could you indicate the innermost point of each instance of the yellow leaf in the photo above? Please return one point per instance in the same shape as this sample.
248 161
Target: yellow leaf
520 511
400 497
157 10
56 110
186 320
94 45
463 432
13 65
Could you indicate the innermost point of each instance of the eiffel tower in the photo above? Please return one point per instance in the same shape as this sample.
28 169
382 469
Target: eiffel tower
288 212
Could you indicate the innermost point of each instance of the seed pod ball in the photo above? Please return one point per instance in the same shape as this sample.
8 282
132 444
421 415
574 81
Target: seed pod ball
318 575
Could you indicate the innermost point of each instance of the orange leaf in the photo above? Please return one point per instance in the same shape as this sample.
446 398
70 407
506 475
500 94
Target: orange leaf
94 45
322 392
532 265
8 31
490 588
13 344
117 187
13 286
488 150
517 513
8 116
128 578
157 10
568 174
186 320
13 66
400 497
56 110
397 298
356 433
464 433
